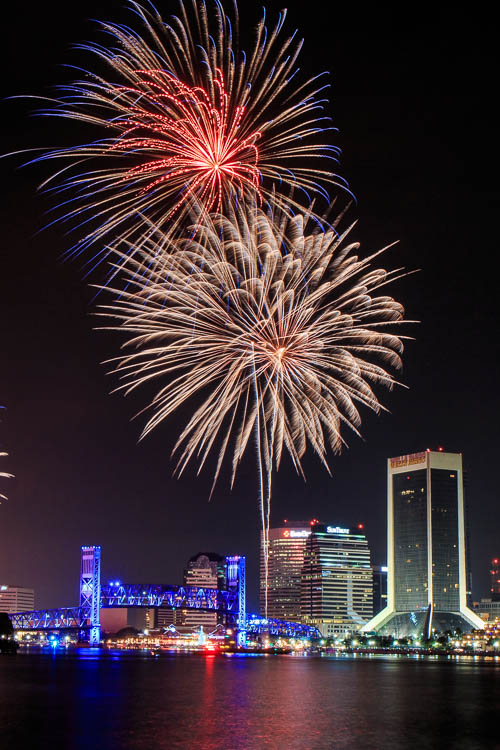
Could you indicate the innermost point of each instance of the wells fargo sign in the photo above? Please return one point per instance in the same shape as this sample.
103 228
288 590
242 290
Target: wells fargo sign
409 460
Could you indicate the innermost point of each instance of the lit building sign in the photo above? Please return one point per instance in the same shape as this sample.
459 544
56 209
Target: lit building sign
336 530
296 533
409 460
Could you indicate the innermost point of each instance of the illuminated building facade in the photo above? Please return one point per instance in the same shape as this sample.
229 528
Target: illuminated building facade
495 579
204 570
336 580
427 567
16 599
286 557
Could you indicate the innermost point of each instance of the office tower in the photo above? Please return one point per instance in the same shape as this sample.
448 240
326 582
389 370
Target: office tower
379 588
16 599
495 579
426 553
205 570
286 556
166 616
336 581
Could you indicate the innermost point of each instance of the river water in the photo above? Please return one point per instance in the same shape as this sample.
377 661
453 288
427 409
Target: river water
117 701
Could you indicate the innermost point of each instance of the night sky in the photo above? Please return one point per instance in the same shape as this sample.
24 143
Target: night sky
414 98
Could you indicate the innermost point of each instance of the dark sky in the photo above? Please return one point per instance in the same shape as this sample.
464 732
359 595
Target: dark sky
414 98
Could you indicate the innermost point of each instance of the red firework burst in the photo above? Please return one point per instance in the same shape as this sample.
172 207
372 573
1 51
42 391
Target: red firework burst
188 117
195 144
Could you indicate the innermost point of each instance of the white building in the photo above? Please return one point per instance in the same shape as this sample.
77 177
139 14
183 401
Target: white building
426 552
16 599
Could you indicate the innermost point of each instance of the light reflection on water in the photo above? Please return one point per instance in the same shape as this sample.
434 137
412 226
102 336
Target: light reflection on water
121 701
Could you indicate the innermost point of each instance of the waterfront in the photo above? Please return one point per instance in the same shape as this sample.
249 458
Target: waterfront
117 701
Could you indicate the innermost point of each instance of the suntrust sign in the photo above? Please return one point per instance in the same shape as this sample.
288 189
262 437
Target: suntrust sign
296 533
336 530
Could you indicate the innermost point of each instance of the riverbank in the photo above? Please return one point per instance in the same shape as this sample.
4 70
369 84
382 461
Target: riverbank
412 652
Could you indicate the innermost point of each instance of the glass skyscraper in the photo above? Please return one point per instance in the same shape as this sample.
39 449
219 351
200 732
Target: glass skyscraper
427 566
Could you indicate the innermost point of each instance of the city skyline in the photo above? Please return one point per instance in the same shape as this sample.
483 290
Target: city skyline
80 478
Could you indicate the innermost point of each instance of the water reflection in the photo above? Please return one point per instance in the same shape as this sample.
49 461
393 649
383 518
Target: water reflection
120 701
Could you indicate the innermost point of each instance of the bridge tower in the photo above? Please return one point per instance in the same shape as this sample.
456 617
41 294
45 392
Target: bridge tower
236 582
90 589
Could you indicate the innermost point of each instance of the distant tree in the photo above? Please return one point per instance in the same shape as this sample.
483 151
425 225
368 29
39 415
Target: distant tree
5 625
128 632
7 642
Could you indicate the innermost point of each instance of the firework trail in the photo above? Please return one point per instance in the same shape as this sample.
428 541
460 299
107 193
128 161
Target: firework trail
3 474
184 114
273 328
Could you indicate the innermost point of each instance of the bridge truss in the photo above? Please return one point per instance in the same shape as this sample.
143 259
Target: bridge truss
94 596
189 597
69 618
257 625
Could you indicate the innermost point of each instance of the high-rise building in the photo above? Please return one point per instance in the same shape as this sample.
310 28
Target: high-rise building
285 559
495 579
379 588
336 581
204 570
16 599
427 549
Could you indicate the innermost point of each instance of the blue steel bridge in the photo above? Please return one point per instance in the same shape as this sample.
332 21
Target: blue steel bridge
229 602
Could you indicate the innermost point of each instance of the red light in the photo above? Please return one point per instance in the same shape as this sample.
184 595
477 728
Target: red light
440 448
407 477
285 520
495 561
361 526
428 450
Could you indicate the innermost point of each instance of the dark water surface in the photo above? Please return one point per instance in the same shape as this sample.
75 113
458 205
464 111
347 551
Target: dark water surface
116 702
